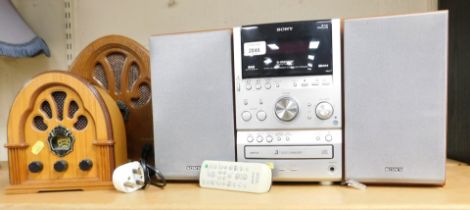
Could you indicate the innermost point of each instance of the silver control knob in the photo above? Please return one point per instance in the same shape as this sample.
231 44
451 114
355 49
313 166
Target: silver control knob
286 109
324 110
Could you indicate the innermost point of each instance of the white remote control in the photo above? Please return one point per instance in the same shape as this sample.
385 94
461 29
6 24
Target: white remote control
239 176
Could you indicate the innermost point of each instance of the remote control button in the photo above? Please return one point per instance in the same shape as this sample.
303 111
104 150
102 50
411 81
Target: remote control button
328 137
261 115
267 85
35 167
248 86
258 86
250 139
269 139
259 139
287 138
246 116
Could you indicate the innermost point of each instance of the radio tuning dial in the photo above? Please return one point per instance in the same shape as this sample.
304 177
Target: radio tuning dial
286 109
324 110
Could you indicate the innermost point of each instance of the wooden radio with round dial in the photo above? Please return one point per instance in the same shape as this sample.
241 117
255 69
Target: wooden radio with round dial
63 134
121 66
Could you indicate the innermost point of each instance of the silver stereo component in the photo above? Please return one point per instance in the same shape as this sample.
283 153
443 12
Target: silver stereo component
395 98
287 80
193 101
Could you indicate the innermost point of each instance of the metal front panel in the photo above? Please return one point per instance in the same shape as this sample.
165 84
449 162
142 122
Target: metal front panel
302 168
280 109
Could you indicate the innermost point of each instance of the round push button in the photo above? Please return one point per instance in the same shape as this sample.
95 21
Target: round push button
246 116
269 139
328 137
35 167
250 139
261 115
60 166
85 165
259 139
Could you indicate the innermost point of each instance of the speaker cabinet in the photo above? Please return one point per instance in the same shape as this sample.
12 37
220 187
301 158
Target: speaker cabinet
193 116
63 134
121 66
395 98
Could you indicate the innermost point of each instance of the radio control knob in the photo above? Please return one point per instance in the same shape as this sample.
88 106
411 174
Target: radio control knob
35 167
85 165
60 166
324 110
286 109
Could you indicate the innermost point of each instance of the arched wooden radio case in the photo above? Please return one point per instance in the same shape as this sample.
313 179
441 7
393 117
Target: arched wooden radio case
63 134
121 66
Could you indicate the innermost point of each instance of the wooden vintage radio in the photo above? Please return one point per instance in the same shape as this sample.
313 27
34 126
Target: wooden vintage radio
121 66
63 134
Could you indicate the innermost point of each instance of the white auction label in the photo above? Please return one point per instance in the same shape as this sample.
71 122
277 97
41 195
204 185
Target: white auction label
254 48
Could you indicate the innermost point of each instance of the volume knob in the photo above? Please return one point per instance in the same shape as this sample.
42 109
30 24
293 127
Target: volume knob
286 109
324 110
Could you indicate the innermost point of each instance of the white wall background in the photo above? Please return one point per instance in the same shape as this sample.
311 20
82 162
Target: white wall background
138 19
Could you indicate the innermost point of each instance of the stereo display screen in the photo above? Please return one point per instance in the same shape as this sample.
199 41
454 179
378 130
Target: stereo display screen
287 49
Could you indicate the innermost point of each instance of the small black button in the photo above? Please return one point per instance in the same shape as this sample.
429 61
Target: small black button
60 166
35 167
85 165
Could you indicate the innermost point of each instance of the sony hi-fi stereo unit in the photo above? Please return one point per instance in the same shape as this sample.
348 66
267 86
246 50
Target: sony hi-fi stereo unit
287 80
193 101
395 100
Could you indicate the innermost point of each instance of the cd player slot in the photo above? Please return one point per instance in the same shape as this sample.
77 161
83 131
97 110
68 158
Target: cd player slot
289 152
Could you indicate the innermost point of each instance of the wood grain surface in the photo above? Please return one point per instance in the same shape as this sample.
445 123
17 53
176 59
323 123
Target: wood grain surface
454 195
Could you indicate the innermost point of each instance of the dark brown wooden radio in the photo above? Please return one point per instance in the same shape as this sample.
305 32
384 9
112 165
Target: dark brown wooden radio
63 134
121 66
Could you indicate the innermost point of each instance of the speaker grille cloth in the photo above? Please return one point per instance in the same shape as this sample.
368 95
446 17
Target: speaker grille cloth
81 123
73 107
46 108
59 98
39 123
116 60
100 75
134 74
145 94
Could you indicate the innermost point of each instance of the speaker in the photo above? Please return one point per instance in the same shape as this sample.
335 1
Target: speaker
395 98
193 101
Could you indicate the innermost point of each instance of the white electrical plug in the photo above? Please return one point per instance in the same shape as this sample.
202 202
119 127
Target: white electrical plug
129 177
